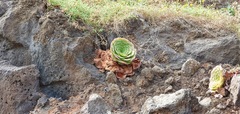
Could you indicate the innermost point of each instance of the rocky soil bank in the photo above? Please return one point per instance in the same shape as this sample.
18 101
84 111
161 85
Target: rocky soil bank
47 65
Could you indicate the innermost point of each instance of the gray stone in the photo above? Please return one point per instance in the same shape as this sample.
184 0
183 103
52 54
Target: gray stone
190 67
235 89
158 71
111 77
145 77
19 88
95 105
147 73
180 102
206 102
141 81
114 95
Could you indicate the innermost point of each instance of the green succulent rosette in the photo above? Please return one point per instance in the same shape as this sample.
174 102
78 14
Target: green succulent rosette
217 78
122 51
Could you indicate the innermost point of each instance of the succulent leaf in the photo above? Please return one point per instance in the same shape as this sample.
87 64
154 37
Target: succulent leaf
217 78
122 50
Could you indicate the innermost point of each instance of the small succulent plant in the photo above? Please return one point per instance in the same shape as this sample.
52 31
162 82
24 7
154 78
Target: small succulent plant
217 78
122 51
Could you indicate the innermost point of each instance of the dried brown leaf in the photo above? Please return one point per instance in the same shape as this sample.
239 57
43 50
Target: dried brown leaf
104 61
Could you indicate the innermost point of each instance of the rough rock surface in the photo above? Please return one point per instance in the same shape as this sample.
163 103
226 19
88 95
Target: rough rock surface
19 88
235 89
180 102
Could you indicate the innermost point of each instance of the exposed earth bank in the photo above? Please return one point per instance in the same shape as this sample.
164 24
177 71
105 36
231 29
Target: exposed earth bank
47 64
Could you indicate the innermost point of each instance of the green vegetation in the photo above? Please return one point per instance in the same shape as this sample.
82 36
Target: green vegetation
105 13
122 51
217 78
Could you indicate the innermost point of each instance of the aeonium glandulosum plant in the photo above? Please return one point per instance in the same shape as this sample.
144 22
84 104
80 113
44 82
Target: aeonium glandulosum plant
217 78
122 51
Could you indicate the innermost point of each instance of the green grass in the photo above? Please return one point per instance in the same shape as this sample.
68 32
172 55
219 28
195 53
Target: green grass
105 13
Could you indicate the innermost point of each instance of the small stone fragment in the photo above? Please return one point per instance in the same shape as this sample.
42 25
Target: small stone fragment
205 81
221 106
170 80
199 98
219 96
202 70
111 77
42 101
158 71
141 81
147 73
197 86
177 79
228 102
169 89
206 102
190 67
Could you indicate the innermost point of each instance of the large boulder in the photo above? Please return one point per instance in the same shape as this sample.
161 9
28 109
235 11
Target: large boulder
19 88
218 50
60 50
18 25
